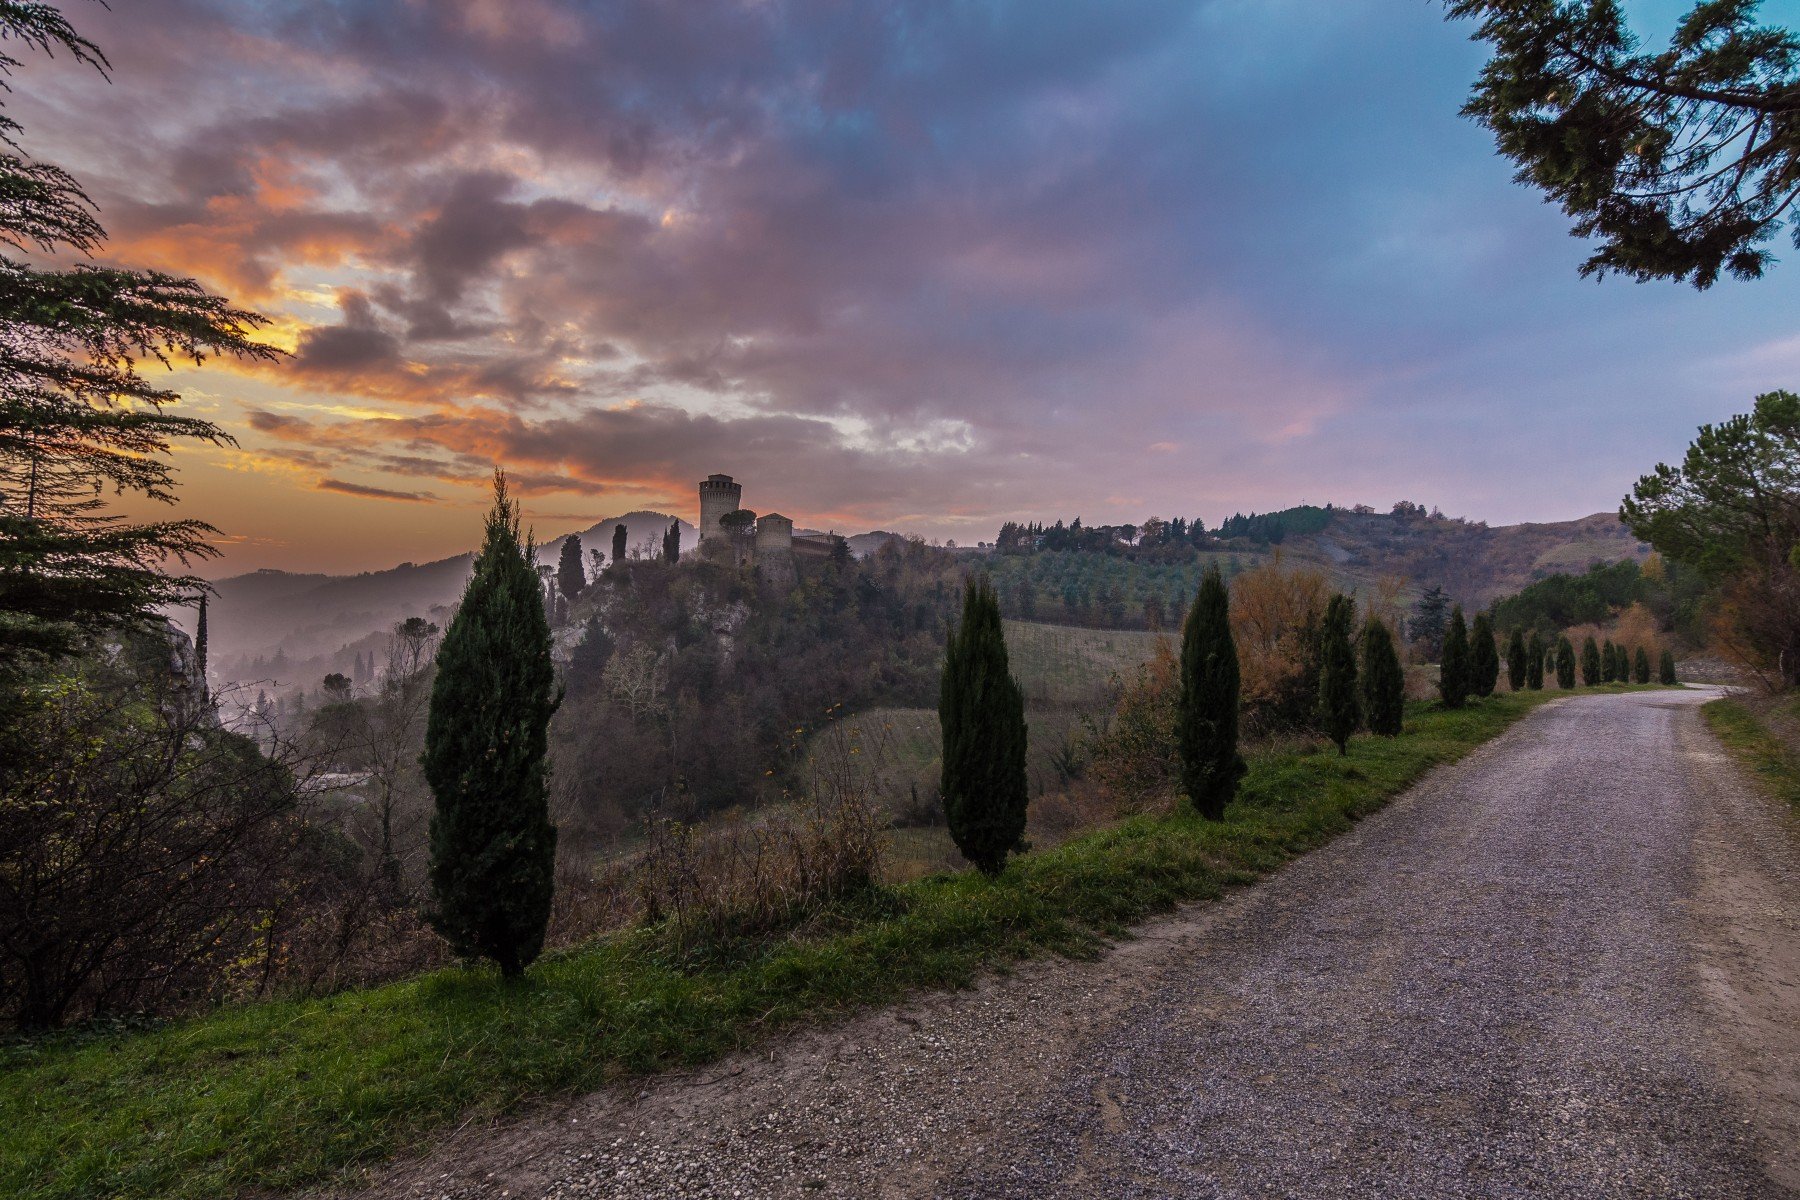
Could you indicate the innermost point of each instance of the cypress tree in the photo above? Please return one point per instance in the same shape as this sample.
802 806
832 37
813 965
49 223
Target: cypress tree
571 577
981 711
200 642
1515 661
1666 669
671 543
493 847
1339 711
618 544
1565 663
1640 667
1383 680
1609 662
1207 719
1534 662
1484 657
1590 662
1453 670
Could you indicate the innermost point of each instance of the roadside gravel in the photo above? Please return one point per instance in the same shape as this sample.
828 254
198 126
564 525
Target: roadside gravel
1551 970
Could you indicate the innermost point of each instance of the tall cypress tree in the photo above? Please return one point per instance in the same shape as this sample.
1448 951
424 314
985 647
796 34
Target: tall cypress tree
1453 671
1484 657
200 642
618 544
1515 660
1590 662
1640 667
1383 680
1609 662
1534 662
1666 669
493 847
571 576
1339 711
671 543
1565 663
981 711
1207 717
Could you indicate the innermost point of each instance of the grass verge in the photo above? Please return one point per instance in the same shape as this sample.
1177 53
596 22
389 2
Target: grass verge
1765 756
278 1095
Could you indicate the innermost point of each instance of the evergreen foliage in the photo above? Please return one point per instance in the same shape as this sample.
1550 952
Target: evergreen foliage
1383 680
1534 662
1207 718
1484 657
493 848
571 576
77 418
1640 666
200 641
671 543
618 545
1666 669
981 711
1680 163
1565 663
1454 681
1340 711
1609 663
1591 668
1430 618
1515 660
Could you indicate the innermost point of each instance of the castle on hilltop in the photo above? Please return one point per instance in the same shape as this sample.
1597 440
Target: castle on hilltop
769 539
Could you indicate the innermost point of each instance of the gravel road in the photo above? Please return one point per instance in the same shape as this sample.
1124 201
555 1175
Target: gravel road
1564 967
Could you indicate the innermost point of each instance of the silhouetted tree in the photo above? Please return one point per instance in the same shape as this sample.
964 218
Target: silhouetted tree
1453 671
1516 660
77 418
1565 663
1339 710
1534 662
1429 621
1666 669
493 847
618 547
1207 718
571 576
1484 657
1383 680
671 543
1680 163
981 711
1641 666
200 639
1591 671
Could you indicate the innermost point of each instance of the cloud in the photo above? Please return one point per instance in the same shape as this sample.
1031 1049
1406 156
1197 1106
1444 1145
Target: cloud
372 493
905 262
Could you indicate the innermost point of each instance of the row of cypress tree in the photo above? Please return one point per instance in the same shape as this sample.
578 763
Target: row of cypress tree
981 711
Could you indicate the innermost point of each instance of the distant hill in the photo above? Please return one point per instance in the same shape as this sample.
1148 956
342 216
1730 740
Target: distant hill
1477 564
303 626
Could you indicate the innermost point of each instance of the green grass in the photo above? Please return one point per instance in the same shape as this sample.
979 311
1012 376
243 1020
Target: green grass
279 1095
1766 757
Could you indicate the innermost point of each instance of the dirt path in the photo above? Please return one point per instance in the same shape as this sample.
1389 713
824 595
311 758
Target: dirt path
1565 967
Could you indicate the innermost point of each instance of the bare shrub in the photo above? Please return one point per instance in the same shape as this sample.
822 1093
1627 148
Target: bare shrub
744 874
1133 758
1276 611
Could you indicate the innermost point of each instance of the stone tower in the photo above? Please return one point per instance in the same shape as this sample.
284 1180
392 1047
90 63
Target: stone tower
774 535
719 494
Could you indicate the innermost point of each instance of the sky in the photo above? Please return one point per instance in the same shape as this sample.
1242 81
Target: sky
924 266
